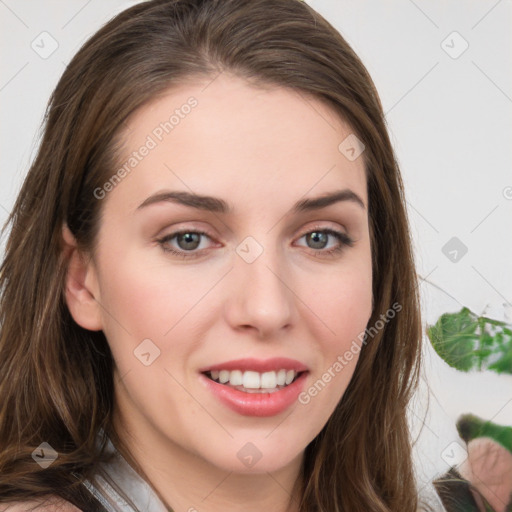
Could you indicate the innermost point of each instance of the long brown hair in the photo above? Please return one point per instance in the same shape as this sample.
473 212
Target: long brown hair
56 378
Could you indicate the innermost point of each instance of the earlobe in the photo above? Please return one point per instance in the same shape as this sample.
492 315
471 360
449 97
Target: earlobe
81 285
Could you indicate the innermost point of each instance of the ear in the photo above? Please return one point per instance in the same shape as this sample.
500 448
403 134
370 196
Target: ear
81 285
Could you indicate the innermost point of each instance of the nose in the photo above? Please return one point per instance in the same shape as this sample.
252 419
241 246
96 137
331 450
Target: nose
260 298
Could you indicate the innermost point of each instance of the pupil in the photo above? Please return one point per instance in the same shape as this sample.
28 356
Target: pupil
190 240
318 238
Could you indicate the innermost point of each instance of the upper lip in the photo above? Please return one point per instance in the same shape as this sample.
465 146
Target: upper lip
258 365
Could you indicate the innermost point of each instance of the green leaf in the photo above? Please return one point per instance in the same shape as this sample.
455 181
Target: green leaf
504 364
467 341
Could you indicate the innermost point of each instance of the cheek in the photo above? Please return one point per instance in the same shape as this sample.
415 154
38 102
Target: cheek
345 307
346 303
342 303
342 300
143 300
148 299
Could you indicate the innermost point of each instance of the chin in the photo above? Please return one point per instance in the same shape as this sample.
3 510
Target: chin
257 456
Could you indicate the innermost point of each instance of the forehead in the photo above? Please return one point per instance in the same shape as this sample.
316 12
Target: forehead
228 137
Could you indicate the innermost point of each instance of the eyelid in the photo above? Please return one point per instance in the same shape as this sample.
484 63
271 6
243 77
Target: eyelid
318 226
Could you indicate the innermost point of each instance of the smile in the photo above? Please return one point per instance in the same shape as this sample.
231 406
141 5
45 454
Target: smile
253 387
254 382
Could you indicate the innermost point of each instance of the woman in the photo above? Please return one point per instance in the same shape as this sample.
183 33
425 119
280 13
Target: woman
209 299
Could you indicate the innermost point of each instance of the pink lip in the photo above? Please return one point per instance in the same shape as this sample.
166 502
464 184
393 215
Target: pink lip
256 404
258 365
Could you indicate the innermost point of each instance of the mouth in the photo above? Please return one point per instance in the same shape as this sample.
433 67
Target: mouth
252 387
254 382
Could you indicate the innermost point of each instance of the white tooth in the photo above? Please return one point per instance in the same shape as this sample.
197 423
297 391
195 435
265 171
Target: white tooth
268 380
281 377
251 380
290 375
235 378
214 374
223 376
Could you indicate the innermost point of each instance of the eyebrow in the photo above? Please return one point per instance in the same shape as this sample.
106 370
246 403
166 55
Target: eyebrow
216 205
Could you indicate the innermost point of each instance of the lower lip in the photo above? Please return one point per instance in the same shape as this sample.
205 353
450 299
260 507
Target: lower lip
256 404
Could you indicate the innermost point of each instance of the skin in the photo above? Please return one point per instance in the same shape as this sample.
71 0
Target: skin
261 150
489 468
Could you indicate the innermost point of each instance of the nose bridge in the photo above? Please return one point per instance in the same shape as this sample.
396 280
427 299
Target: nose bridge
261 297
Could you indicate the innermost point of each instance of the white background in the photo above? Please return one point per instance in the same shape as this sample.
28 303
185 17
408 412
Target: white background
450 121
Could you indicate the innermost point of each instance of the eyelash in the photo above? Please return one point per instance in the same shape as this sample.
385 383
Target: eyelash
344 241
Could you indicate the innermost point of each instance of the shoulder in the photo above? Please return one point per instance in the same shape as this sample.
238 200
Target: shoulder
50 504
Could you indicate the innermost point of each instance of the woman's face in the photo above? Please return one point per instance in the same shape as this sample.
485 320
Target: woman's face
265 283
